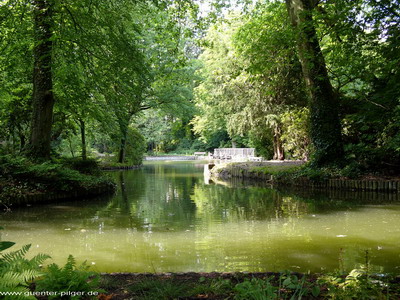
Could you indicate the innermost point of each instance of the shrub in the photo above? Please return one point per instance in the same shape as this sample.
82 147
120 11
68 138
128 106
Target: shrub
155 289
134 149
356 285
255 289
88 166
287 285
70 278
19 176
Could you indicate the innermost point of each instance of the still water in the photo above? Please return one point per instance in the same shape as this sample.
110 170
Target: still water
165 218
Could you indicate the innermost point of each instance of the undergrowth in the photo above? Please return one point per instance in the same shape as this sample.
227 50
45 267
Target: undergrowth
74 278
17 272
355 285
290 173
19 176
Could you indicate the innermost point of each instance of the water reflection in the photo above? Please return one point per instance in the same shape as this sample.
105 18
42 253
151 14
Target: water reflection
165 218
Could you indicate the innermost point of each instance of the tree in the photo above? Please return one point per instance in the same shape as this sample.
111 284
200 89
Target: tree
268 48
324 109
43 98
15 77
89 53
160 78
252 76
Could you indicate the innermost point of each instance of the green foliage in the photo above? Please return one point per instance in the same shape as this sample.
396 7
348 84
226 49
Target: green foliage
251 75
356 285
251 72
275 169
316 174
69 278
289 286
56 176
20 176
163 133
142 64
155 289
360 63
255 289
217 286
309 171
86 166
263 143
246 83
352 170
17 272
295 125
135 147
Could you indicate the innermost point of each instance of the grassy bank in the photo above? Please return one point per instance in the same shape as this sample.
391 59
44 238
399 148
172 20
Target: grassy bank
262 170
298 174
20 178
107 165
248 286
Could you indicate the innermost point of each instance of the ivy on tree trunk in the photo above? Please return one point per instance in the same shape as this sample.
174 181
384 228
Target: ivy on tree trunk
43 98
324 116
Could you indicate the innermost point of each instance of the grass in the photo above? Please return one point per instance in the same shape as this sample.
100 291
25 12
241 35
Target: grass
286 172
159 287
275 169
116 165
258 286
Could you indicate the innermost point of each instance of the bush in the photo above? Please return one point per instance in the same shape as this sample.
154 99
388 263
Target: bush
295 137
356 285
20 176
198 146
287 285
307 171
69 280
352 170
134 149
88 166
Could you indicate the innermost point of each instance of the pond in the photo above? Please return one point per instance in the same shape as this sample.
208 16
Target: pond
165 218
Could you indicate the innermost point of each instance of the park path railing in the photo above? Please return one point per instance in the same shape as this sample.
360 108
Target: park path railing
230 153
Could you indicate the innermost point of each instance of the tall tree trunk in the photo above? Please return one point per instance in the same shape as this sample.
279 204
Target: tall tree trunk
22 138
324 108
123 126
123 130
279 153
70 147
22 141
43 99
83 138
121 154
